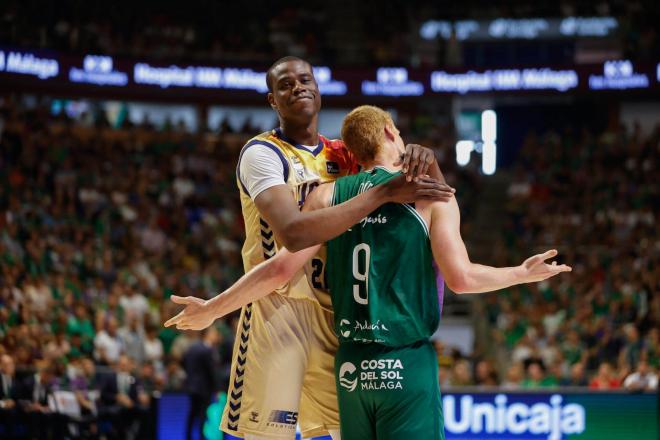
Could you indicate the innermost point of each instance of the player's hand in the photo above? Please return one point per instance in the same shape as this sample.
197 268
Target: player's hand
196 315
424 188
416 161
535 268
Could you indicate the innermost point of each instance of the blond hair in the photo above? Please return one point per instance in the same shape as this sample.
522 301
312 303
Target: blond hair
363 131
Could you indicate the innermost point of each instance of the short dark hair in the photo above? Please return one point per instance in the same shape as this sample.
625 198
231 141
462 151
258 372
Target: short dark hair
286 59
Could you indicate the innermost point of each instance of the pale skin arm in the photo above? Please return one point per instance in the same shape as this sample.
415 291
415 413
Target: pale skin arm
254 285
464 276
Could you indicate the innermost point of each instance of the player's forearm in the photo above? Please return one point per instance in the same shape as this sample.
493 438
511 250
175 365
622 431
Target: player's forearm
478 278
260 281
254 285
316 227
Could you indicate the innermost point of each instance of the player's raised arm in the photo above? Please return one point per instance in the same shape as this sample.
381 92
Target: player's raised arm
463 276
298 230
254 285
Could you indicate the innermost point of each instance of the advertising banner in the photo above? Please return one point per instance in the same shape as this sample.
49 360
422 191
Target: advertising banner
551 415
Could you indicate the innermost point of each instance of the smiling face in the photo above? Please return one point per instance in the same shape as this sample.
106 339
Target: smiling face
294 93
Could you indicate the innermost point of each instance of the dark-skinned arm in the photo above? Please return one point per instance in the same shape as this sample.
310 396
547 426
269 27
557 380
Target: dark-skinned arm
298 230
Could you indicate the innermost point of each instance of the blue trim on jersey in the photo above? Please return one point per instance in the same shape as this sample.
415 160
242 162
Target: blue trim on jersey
285 163
315 152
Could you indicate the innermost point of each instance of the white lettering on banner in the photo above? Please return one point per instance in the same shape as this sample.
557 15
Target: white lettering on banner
200 76
392 81
588 26
162 76
618 75
519 28
504 79
98 70
245 79
327 85
28 64
528 28
463 29
552 419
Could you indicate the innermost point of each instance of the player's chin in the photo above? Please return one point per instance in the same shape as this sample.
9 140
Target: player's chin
305 111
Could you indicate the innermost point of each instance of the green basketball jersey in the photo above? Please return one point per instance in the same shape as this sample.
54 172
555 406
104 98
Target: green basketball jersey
380 272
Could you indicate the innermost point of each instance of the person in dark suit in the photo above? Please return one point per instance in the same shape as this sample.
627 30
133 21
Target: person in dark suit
121 400
43 422
199 362
9 395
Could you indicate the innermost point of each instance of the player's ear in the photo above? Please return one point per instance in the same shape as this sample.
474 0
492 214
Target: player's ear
390 133
271 101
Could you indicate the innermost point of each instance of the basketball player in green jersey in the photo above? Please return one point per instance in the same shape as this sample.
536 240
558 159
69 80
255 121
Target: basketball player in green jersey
383 289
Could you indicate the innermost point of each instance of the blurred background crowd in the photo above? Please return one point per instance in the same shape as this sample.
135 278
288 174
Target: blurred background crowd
340 33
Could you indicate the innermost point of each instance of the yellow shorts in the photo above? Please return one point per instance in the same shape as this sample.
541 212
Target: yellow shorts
282 370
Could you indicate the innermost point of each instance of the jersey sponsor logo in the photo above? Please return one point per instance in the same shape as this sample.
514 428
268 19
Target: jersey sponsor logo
379 219
357 326
381 374
298 167
303 173
280 417
368 326
552 419
332 167
345 372
342 323
374 374
254 417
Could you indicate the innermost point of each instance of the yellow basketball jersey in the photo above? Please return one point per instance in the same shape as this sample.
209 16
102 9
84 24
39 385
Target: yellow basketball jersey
304 170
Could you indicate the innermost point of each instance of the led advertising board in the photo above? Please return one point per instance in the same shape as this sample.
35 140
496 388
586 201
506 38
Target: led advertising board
121 78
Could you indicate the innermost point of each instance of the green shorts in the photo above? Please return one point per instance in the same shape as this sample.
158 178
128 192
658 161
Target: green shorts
388 392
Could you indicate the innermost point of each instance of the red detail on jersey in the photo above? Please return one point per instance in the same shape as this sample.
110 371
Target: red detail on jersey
336 151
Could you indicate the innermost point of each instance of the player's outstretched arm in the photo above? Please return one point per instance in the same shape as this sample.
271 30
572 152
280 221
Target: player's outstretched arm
298 230
254 285
463 276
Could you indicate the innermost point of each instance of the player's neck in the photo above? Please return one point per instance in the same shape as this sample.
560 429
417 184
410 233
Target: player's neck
385 159
305 134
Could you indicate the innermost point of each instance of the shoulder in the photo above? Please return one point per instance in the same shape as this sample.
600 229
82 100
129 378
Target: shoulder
265 144
336 151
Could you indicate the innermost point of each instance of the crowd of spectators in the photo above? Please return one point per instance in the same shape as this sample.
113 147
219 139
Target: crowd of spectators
347 33
592 196
100 225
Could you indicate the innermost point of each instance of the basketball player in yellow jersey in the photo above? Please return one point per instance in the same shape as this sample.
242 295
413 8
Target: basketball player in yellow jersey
283 363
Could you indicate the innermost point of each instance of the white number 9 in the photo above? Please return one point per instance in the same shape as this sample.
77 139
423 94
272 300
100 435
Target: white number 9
361 276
